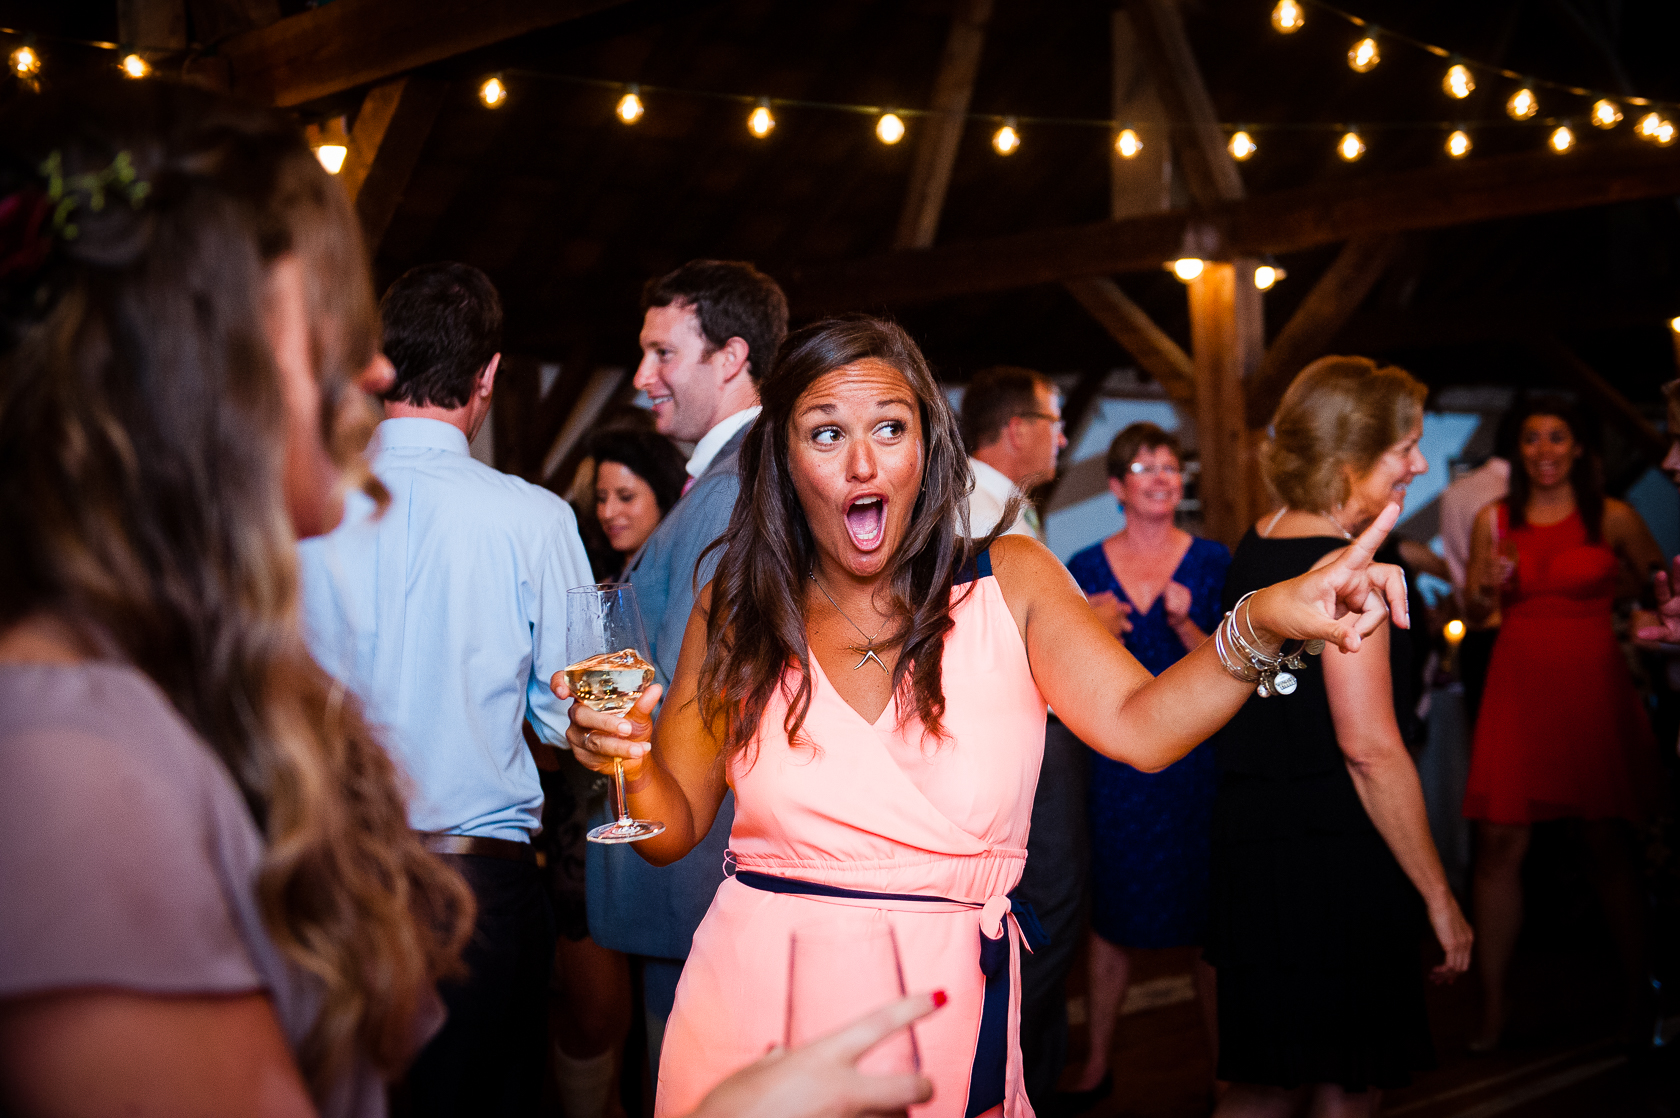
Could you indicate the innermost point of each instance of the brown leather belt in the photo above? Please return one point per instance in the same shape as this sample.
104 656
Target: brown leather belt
481 847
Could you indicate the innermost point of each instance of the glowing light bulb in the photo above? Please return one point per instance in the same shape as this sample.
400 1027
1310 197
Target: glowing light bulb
1242 146
1266 275
1664 134
1674 324
332 157
1522 104
1562 138
1458 82
1350 147
1288 17
1128 144
1187 269
630 107
1363 56
1458 144
1606 113
889 128
1006 139
134 66
761 123
25 62
1455 630
492 92
1648 125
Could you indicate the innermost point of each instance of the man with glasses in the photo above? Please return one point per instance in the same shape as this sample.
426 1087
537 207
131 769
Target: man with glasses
1012 427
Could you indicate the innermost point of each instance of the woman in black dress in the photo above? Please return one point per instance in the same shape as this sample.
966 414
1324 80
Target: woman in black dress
1321 849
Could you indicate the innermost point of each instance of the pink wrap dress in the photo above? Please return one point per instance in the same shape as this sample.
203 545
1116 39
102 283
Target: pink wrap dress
878 809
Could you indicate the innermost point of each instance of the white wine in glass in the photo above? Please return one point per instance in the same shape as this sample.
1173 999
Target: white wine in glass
610 668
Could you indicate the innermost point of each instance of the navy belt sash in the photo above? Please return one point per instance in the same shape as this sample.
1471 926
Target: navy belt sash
991 1051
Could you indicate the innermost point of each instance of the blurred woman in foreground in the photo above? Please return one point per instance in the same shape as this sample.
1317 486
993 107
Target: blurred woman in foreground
213 899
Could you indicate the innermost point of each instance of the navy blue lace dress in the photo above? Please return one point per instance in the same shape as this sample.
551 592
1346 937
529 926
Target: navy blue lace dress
1149 832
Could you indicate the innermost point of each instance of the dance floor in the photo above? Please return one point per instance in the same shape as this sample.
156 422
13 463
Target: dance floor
1560 1061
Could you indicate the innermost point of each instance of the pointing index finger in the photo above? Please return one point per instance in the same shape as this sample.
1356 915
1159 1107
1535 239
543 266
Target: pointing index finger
1362 550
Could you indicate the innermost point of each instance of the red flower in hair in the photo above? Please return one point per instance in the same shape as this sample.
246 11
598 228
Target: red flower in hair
25 233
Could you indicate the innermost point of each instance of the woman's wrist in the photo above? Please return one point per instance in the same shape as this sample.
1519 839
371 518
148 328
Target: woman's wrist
1254 620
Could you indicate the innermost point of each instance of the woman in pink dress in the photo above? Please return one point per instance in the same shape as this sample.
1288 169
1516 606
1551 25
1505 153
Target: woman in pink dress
873 688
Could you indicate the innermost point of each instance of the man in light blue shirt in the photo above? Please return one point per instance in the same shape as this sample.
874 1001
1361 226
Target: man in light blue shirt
446 616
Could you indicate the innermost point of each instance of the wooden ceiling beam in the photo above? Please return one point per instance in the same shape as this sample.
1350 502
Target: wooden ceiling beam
1128 324
1209 172
1143 183
395 120
350 43
942 128
1435 197
1325 310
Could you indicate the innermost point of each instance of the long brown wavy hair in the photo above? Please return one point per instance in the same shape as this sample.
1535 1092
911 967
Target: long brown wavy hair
756 628
1586 475
142 433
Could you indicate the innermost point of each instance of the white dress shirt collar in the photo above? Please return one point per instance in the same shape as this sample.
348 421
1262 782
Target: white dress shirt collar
712 441
992 481
417 433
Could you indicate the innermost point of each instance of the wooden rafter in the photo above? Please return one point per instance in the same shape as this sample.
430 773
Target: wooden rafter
1209 173
1288 221
936 150
599 391
391 129
350 43
1137 334
1327 307
156 23
1143 183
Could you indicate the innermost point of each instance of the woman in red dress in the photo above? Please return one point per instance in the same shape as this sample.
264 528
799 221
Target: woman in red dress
1561 733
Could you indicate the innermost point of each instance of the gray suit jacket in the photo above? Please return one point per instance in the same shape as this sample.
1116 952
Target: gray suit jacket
635 907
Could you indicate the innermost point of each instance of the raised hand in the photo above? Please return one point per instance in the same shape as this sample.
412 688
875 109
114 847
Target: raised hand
597 739
1667 628
1340 603
1175 599
821 1079
1115 615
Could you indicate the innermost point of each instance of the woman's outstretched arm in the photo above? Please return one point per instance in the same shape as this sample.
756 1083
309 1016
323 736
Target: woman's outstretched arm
673 772
1110 701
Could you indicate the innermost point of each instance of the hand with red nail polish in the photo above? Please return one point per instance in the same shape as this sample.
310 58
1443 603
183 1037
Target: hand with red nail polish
821 1079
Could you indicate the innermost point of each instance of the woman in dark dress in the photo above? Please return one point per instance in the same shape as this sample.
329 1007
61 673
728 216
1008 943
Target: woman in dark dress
1159 589
1321 849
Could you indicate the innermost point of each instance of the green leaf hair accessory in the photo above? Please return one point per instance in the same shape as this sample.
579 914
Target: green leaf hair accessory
89 188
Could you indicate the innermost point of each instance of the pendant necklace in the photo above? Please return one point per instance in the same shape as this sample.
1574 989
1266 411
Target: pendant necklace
868 647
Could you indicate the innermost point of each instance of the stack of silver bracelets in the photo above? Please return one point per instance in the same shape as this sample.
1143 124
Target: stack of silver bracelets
1244 660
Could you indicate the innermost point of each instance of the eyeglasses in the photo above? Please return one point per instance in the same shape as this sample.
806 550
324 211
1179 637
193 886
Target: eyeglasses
1140 469
1054 420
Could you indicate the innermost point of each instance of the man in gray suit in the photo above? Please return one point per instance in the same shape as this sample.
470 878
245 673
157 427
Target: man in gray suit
709 335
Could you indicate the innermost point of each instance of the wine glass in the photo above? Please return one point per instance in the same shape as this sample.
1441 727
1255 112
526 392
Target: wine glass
610 668
838 971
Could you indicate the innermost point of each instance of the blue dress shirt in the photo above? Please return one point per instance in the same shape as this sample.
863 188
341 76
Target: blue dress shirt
446 617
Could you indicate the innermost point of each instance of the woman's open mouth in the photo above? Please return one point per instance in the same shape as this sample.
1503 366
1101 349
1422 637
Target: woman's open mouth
866 520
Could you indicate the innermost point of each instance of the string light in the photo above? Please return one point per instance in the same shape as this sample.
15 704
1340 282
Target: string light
630 108
1606 113
134 66
1562 139
1242 146
331 143
1363 55
1458 82
1458 144
1266 275
492 92
1288 17
1187 269
1455 630
1350 147
25 62
1674 324
761 123
1664 134
1648 125
889 128
1006 140
1127 144
1522 104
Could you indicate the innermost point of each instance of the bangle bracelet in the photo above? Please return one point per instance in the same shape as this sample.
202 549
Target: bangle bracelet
1274 672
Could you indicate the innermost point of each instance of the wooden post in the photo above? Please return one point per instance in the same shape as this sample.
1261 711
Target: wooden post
936 150
1226 340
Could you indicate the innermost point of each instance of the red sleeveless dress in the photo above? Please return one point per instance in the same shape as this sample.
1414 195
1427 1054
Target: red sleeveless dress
1561 732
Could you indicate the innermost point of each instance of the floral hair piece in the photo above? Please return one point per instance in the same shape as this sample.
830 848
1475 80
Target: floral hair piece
89 188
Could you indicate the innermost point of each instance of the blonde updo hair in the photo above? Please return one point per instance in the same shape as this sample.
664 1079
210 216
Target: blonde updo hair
1338 417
